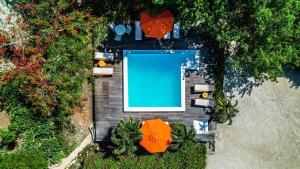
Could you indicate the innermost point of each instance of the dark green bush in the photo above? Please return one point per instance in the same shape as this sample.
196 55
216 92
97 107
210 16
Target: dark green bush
7 138
23 160
225 111
181 135
126 136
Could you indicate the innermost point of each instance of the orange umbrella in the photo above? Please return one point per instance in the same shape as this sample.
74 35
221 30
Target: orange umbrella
156 26
156 136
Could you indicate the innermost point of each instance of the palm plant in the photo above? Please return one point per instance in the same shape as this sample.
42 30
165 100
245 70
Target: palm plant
181 135
225 110
126 136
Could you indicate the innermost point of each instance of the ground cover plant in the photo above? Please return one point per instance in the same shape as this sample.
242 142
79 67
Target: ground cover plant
190 155
23 160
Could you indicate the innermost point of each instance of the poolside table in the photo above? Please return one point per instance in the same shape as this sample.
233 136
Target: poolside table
120 29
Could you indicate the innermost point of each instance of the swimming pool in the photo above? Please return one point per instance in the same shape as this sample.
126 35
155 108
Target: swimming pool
154 79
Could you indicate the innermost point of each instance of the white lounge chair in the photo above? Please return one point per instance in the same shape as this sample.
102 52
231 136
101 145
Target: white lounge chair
104 56
204 88
138 31
200 126
204 102
167 36
176 30
107 71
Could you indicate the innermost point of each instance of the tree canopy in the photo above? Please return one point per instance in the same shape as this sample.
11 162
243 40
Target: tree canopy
264 33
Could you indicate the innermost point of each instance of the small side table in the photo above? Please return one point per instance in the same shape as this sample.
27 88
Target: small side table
204 95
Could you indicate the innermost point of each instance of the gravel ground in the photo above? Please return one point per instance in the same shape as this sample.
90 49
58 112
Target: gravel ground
266 133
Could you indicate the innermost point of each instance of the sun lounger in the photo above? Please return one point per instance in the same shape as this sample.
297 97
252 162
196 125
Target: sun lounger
103 71
104 56
167 36
138 31
200 126
204 103
176 30
204 88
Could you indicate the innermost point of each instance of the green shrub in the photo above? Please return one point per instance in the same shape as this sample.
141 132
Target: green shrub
224 109
7 138
23 160
21 118
181 135
126 136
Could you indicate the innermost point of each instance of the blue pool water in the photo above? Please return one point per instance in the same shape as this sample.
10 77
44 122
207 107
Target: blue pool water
154 77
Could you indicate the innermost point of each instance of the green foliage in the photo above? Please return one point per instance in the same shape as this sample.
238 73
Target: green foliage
36 133
190 155
126 136
181 135
51 67
23 160
224 109
267 32
7 138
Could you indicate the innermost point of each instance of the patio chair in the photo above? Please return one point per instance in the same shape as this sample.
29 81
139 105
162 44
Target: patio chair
200 126
176 30
128 29
103 71
204 103
167 36
204 88
104 56
138 31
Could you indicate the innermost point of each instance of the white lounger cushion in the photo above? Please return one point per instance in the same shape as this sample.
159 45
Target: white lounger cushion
138 31
105 56
176 30
204 102
103 71
204 88
201 126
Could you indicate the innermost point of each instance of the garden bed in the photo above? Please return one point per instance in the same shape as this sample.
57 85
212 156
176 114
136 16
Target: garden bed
190 155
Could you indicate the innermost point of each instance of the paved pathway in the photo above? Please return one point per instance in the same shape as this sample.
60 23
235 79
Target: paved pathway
68 160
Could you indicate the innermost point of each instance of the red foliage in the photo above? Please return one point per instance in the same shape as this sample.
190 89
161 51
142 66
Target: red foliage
2 52
2 39
88 15
74 31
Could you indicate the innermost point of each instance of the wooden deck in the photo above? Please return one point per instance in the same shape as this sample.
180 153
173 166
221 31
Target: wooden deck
108 95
